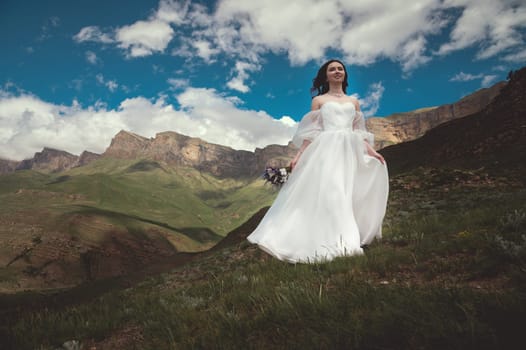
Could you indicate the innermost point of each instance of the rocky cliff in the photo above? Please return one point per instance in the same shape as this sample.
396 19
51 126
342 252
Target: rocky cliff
180 150
49 160
493 138
7 166
85 158
401 127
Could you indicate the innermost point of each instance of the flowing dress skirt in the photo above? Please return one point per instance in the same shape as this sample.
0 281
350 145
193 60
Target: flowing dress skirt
333 203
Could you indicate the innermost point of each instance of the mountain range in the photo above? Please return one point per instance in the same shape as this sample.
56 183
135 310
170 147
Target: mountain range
179 150
73 228
67 219
493 138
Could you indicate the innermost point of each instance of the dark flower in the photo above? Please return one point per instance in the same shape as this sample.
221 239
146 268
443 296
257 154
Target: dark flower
276 176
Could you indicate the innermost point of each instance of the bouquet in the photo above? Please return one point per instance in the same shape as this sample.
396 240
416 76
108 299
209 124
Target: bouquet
276 176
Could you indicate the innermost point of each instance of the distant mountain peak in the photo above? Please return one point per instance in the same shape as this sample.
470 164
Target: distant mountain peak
125 134
49 159
493 137
177 149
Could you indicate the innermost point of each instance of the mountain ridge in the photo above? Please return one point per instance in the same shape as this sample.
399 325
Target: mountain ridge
222 161
491 138
406 126
91 222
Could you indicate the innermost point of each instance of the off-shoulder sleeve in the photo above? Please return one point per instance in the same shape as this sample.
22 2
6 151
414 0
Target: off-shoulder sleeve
359 127
309 128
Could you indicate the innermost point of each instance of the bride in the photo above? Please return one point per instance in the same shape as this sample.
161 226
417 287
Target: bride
334 201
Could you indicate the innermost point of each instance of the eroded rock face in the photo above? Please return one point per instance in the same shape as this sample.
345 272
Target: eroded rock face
49 160
7 166
274 155
126 145
408 126
222 161
180 150
87 157
493 138
175 149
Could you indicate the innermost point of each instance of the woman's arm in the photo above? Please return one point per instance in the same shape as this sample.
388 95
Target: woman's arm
298 155
316 103
373 153
368 147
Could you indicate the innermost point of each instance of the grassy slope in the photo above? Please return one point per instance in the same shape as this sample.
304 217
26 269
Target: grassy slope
449 274
181 200
123 209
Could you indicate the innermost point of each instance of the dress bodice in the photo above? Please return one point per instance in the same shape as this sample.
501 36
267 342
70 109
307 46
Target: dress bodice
337 116
332 116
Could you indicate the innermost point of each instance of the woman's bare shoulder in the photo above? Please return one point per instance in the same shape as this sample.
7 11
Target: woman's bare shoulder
354 100
317 101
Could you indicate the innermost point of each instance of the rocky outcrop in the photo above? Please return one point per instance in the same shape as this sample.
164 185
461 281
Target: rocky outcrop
49 160
222 161
274 155
126 145
86 157
7 166
180 150
408 126
218 160
493 138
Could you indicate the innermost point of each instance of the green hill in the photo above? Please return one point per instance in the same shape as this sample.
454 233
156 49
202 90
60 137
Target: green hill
114 208
448 274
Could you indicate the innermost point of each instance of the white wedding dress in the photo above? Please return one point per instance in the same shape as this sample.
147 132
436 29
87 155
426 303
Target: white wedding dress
334 201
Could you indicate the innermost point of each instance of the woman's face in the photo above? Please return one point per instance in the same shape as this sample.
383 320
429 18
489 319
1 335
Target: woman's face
335 72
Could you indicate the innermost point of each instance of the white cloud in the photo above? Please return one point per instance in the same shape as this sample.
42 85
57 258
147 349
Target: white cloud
177 84
502 68
112 85
303 29
241 74
488 80
363 32
518 57
93 33
144 37
171 11
371 102
412 54
27 124
91 57
465 77
204 50
393 30
493 25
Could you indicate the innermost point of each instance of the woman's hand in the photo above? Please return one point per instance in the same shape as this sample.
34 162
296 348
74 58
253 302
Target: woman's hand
295 161
373 153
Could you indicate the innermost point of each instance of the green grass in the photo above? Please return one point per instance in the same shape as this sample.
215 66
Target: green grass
449 274
173 198
143 202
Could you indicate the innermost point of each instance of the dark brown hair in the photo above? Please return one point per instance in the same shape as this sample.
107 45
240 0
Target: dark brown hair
320 85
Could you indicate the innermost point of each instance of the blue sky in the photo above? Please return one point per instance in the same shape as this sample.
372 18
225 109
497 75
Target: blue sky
234 72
